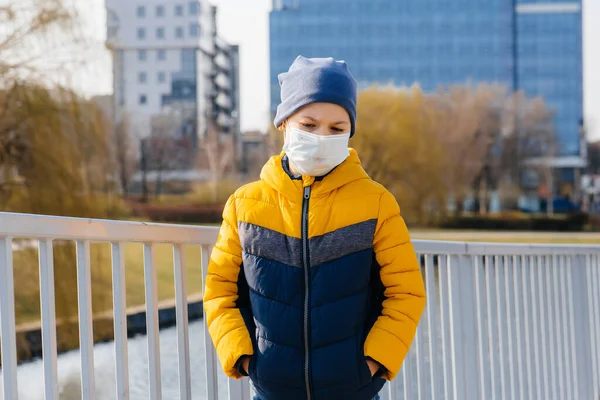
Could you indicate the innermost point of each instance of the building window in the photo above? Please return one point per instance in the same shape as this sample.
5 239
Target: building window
142 55
142 77
160 33
194 8
161 55
179 32
179 10
143 99
141 11
160 11
162 77
141 33
194 30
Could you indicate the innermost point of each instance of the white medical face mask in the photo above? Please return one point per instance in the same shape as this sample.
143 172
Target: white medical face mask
315 155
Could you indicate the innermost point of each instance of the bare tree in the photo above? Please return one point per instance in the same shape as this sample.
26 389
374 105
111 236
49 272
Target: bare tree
160 147
489 135
536 144
219 151
124 153
466 128
169 147
32 27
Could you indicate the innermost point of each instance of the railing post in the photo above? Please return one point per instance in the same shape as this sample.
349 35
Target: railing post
500 312
419 346
565 326
384 394
533 270
209 350
432 323
478 272
551 327
120 320
151 291
521 378
8 346
86 328
593 270
463 327
546 340
491 263
558 328
239 389
527 323
597 319
580 334
444 286
509 321
47 307
407 375
181 308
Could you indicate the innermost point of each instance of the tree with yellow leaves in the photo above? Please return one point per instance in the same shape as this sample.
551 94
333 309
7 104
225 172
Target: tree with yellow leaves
430 148
397 144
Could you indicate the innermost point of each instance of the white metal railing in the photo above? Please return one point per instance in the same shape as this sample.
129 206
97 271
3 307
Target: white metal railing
503 321
506 321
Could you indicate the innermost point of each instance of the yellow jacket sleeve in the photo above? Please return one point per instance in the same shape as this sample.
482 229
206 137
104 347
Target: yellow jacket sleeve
393 332
225 322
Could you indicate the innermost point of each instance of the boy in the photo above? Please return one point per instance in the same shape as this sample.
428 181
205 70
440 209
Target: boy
313 288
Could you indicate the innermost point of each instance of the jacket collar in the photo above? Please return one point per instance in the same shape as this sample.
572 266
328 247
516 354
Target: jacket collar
275 175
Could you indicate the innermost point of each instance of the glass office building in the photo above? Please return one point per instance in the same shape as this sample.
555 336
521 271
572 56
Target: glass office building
526 44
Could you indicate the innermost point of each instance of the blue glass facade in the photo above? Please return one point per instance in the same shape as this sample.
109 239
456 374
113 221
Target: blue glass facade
550 65
440 42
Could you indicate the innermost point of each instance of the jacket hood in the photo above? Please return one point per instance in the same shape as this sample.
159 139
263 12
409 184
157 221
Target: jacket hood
275 176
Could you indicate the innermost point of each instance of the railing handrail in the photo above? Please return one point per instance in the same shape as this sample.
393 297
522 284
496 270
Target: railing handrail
100 230
485 248
103 230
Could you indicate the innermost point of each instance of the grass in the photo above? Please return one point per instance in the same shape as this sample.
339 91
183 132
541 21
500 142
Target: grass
581 238
27 298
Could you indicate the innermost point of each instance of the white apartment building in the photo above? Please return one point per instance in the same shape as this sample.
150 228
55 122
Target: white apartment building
169 64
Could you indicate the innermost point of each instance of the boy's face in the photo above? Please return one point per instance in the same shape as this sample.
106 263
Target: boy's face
320 119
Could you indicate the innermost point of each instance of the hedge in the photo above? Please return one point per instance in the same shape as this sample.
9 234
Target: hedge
207 214
212 214
572 223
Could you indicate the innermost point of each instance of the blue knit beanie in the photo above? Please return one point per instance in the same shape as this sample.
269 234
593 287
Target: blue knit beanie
316 80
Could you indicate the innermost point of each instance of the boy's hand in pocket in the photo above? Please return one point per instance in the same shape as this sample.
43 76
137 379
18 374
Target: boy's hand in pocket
373 367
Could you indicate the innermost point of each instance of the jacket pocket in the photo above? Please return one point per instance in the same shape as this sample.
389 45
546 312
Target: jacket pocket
364 372
252 367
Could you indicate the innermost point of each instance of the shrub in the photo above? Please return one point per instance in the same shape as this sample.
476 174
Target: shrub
572 222
207 214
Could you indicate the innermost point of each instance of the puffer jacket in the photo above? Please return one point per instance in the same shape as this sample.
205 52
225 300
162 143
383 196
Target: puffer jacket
310 277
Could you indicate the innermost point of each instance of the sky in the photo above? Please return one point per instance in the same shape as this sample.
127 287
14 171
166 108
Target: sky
246 22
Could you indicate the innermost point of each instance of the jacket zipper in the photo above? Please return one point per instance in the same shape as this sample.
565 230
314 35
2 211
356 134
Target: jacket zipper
306 262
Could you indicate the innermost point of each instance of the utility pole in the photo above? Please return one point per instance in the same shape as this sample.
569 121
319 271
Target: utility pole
550 199
144 168
515 89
